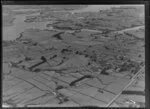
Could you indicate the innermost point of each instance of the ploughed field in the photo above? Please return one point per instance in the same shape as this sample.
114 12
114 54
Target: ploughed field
54 67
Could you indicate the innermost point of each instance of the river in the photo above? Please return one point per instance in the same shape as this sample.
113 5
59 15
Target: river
130 29
12 32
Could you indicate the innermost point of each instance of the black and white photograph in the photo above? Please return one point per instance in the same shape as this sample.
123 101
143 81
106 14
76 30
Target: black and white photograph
73 55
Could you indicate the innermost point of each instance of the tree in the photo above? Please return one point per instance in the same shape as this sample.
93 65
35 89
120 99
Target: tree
43 58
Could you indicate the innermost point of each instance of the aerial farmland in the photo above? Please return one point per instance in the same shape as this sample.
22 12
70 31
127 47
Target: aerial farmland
73 55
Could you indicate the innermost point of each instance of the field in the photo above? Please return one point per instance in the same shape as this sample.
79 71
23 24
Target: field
80 59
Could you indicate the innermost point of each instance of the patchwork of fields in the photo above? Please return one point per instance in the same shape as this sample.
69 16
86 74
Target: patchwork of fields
74 59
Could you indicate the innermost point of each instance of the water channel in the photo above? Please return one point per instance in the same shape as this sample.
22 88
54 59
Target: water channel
12 32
